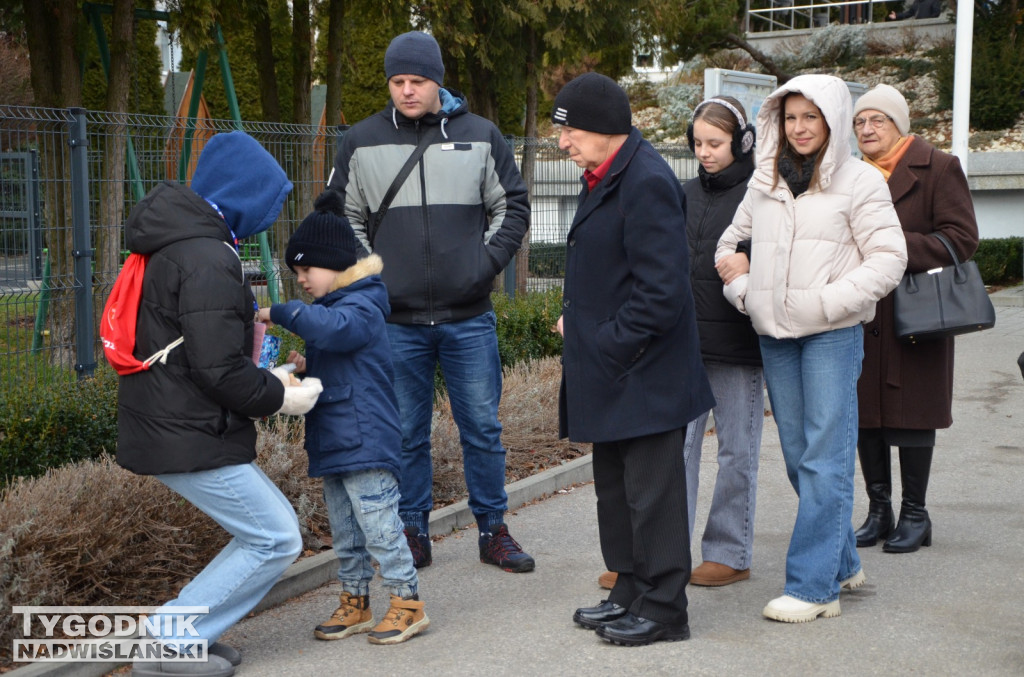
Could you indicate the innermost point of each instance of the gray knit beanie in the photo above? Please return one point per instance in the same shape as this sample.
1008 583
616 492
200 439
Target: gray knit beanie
888 100
414 53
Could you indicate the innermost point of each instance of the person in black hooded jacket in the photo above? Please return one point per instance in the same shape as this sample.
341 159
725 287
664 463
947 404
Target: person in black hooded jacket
189 421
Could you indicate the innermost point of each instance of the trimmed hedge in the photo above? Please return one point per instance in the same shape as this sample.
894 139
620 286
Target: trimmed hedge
1000 260
48 424
526 326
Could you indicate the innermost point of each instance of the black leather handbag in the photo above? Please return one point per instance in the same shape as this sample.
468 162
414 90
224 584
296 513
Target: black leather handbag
942 302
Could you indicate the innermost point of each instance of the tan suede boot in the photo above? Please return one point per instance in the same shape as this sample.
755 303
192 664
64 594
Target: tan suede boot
404 619
353 616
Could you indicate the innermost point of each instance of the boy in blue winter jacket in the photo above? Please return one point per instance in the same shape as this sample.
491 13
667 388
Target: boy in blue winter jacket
353 434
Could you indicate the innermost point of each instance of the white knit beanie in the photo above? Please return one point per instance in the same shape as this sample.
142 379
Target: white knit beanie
887 100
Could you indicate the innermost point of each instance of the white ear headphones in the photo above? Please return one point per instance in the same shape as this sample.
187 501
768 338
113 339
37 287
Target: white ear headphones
743 137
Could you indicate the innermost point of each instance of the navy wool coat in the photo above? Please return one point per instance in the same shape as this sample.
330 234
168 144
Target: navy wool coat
631 362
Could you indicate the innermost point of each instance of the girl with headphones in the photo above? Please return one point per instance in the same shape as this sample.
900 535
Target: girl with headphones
723 143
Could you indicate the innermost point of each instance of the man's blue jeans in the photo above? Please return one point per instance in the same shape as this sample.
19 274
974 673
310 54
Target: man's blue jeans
739 419
812 385
242 500
468 354
362 507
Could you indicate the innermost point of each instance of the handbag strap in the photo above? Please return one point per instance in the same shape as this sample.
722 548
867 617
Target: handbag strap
960 275
396 185
949 247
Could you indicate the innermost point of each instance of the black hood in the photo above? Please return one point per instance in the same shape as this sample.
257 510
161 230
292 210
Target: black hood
169 213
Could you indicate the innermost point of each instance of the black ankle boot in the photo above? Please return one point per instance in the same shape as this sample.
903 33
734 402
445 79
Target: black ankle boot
913 530
915 526
875 465
880 521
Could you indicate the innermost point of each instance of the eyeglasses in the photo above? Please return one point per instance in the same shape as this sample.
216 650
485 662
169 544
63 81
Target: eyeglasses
875 121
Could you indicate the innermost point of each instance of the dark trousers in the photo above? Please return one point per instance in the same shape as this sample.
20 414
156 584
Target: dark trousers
641 515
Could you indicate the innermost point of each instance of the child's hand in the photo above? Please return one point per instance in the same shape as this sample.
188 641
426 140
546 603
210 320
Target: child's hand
298 360
263 315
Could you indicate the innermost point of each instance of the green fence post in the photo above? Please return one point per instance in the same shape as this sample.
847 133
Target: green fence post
43 306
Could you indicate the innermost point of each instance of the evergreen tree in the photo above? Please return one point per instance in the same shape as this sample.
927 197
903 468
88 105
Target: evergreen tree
997 66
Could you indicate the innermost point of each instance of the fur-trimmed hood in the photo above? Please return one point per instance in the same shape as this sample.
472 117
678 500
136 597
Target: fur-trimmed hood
363 268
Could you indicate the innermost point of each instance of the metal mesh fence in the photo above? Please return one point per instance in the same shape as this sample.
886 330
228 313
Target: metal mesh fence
69 178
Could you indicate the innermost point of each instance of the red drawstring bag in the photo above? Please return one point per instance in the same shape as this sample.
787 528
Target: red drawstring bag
117 328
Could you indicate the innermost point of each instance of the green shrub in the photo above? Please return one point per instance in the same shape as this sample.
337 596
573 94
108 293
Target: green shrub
677 103
1000 260
46 424
997 67
835 45
908 67
526 326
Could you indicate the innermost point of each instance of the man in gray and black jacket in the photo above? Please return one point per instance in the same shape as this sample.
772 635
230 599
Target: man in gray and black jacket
454 223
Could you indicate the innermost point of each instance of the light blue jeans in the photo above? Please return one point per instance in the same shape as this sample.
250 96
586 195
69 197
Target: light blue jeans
362 507
812 384
468 354
242 500
739 419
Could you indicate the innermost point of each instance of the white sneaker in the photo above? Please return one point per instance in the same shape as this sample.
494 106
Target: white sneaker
792 610
854 581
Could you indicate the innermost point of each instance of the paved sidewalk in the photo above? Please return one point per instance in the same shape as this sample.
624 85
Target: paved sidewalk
956 608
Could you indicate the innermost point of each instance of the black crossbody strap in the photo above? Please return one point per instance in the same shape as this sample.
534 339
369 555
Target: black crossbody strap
396 185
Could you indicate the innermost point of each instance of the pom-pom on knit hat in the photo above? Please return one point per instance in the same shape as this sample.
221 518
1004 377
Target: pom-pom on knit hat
414 53
325 238
594 103
888 100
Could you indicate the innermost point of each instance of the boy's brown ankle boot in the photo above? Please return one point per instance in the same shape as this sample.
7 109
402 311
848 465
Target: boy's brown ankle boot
353 616
404 619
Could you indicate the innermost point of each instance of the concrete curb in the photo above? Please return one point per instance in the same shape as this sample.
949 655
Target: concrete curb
313 572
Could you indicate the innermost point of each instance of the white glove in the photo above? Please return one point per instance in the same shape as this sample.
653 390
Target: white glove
283 374
298 400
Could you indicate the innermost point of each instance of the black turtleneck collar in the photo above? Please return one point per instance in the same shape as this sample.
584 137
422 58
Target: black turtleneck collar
797 170
738 172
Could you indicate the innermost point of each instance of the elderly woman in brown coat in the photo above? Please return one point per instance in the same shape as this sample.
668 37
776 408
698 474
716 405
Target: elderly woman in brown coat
905 390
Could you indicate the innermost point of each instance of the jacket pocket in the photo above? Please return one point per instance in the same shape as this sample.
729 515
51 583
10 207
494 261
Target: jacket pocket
335 419
613 357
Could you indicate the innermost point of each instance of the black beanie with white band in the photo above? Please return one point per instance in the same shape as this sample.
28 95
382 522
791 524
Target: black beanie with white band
594 103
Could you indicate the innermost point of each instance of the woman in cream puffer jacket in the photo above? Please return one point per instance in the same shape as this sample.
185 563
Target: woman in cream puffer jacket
826 245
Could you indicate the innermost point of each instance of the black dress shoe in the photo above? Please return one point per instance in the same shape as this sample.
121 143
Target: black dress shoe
595 616
631 630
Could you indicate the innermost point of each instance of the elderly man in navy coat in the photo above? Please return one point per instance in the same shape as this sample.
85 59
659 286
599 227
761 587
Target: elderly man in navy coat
632 375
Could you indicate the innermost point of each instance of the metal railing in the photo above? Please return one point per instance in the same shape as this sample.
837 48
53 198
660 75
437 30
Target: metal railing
67 184
783 15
